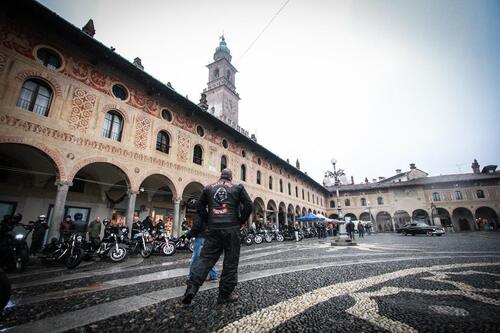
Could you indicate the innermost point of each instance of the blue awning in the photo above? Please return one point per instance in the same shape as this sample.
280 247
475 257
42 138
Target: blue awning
309 218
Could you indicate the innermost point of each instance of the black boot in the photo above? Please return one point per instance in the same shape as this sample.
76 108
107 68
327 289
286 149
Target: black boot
189 294
223 299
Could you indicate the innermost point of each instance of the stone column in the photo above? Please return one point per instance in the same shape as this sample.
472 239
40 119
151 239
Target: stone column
276 220
177 218
393 224
132 196
58 210
265 217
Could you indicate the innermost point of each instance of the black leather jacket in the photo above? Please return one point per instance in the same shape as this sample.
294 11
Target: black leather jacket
219 205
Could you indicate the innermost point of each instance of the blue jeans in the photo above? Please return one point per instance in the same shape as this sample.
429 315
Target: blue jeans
197 246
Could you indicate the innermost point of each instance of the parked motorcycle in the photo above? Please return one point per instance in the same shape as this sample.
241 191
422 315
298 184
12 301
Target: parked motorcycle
75 251
182 243
141 243
257 237
277 235
113 245
165 243
17 255
266 235
246 237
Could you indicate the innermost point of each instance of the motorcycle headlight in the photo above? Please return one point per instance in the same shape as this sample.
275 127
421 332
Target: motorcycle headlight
19 236
79 238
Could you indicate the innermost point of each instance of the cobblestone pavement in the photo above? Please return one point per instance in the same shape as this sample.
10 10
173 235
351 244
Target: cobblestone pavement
389 283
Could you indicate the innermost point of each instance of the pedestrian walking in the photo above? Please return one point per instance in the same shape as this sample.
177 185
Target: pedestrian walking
219 206
296 228
349 227
361 230
39 228
199 232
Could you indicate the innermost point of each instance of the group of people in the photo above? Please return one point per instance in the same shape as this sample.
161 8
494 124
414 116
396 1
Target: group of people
362 228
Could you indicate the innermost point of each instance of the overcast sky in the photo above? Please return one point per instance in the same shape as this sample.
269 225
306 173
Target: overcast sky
375 84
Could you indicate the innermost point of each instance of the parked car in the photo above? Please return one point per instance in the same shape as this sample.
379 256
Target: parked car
415 228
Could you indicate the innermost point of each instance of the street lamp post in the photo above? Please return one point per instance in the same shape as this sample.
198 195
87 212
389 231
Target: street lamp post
336 174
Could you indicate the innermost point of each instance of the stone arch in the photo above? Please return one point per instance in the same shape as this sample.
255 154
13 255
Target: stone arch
129 179
444 217
169 178
487 218
54 155
351 216
36 74
384 221
333 216
298 212
366 217
421 215
304 211
258 211
463 220
401 217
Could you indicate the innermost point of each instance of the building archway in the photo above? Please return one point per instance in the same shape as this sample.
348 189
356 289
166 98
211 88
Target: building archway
258 212
366 217
334 216
298 212
487 218
350 216
290 214
384 221
444 217
304 211
272 213
28 177
156 200
463 220
100 189
309 211
421 216
401 217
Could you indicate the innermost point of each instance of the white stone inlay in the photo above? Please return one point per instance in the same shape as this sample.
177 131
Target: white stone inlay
449 310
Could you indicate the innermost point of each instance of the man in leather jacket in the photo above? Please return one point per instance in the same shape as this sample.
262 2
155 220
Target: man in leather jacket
219 206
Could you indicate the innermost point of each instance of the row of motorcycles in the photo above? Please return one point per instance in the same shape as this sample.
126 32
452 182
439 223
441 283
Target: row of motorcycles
251 236
116 246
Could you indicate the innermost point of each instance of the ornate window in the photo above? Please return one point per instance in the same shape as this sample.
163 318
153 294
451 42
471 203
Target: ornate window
363 202
228 74
48 58
223 162
35 96
332 204
259 161
216 73
296 191
303 195
163 142
270 182
243 173
258 177
281 185
380 200
289 189
197 155
225 144
308 197
200 130
458 195
243 153
113 126
347 202
120 91
480 194
436 196
166 114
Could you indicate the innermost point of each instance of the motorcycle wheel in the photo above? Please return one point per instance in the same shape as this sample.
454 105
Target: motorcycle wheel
258 239
248 241
168 249
269 238
280 238
72 261
4 290
147 251
117 255
191 246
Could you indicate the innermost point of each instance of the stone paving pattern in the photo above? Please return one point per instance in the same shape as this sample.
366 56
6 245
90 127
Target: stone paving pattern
390 283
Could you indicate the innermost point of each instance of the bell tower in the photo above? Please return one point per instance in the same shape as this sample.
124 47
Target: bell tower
222 97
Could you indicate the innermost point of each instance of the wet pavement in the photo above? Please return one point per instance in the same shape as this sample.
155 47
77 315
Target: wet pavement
389 283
